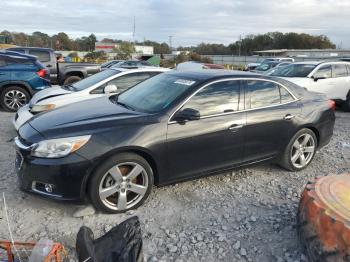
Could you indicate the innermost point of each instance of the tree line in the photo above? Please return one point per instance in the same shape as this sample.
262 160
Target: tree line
245 46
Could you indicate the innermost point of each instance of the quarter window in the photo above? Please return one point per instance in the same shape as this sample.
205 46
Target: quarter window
324 72
217 98
285 95
339 70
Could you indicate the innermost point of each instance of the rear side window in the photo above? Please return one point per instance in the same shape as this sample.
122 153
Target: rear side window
18 61
217 98
265 93
127 81
43 56
339 70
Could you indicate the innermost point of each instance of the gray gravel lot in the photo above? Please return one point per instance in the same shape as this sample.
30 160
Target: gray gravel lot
246 215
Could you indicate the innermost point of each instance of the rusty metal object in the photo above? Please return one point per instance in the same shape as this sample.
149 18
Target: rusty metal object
324 219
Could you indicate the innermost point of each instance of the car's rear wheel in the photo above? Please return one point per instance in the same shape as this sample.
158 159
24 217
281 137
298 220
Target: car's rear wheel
300 151
346 104
71 80
14 97
121 183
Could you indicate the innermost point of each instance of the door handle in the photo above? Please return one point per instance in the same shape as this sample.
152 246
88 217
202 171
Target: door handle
235 127
48 66
289 117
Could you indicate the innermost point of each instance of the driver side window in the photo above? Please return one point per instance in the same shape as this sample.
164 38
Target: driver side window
217 98
323 72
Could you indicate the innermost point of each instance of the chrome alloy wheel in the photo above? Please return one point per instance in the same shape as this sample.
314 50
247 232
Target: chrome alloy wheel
123 186
15 99
303 150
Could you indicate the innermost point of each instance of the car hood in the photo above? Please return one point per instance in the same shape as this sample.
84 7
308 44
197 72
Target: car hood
300 81
89 115
48 93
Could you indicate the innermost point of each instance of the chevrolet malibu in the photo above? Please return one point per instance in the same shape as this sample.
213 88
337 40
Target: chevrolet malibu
172 127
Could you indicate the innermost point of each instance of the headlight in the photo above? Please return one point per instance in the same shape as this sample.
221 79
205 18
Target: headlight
41 108
56 148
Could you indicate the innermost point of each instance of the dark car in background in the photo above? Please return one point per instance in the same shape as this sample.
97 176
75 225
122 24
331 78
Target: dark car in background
63 72
268 65
132 64
176 126
109 64
21 76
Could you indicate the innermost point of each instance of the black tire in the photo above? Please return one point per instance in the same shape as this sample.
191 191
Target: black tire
71 80
346 104
286 158
23 98
100 174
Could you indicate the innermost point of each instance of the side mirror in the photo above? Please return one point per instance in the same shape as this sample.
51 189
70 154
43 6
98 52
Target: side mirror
110 89
316 78
187 114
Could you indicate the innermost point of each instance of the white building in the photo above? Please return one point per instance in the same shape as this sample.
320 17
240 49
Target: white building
108 48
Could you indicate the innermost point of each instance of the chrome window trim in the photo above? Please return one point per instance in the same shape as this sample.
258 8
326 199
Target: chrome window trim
235 112
20 145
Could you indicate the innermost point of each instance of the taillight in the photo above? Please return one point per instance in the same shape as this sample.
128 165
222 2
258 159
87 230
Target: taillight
331 104
41 73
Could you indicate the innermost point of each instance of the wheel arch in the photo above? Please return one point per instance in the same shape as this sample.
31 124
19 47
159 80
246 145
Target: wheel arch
16 83
146 154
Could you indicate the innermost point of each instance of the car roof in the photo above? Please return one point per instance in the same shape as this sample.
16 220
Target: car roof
28 48
14 54
207 74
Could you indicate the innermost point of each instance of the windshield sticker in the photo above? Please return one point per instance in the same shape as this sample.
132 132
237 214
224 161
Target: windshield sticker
184 82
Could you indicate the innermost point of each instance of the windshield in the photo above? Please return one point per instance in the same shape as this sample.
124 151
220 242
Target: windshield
294 70
156 93
94 79
263 67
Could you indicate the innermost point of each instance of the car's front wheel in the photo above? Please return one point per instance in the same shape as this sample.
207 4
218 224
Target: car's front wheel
121 183
14 97
300 151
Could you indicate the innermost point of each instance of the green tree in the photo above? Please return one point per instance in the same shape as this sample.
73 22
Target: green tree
124 50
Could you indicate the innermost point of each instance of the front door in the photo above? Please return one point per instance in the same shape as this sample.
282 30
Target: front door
214 141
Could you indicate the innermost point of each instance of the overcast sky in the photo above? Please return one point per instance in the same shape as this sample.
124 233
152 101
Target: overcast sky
189 22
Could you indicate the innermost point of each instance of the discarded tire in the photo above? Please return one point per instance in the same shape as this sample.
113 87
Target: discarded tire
324 219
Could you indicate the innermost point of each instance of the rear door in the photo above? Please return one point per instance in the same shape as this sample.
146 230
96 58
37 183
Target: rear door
214 141
272 111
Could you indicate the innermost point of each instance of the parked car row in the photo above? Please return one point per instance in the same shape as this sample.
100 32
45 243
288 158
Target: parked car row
164 127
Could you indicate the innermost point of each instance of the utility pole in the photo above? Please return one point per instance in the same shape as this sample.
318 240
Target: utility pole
134 30
171 43
240 43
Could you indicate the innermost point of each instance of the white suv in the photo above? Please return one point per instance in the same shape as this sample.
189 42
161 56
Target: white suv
330 78
108 82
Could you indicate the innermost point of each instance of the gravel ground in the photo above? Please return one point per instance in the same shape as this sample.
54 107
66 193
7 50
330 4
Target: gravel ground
246 215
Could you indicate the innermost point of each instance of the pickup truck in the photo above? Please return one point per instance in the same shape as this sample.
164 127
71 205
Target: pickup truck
61 73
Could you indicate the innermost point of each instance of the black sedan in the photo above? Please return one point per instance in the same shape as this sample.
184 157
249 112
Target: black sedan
173 127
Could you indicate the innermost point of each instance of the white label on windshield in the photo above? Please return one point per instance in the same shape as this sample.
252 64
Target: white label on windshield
184 82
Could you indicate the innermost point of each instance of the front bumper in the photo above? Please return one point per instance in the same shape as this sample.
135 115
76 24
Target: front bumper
61 178
23 115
